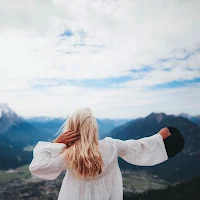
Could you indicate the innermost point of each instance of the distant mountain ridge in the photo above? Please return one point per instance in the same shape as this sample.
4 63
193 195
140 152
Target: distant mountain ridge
51 125
195 119
17 132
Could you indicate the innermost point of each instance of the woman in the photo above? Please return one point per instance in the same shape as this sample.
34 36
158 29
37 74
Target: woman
92 171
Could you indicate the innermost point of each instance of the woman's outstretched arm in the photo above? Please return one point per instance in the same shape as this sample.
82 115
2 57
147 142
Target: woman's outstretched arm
147 151
48 160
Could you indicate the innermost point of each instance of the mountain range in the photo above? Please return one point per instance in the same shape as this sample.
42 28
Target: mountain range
195 119
51 125
18 132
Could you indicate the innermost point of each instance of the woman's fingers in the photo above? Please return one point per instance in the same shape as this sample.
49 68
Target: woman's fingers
72 135
166 129
73 139
165 132
68 132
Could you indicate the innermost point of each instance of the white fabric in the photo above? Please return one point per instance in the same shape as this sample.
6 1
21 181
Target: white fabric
48 162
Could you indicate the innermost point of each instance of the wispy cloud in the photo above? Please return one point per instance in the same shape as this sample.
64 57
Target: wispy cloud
87 83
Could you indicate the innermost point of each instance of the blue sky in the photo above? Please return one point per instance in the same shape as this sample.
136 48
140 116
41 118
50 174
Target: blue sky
123 59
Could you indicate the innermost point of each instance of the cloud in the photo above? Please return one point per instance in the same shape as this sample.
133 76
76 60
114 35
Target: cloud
105 54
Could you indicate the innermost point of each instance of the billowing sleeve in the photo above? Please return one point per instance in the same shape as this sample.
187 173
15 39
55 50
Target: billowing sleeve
48 161
147 151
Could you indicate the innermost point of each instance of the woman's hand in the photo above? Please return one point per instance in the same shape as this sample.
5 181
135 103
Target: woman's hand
68 138
164 132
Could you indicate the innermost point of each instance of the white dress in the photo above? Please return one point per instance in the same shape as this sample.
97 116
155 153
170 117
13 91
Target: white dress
48 162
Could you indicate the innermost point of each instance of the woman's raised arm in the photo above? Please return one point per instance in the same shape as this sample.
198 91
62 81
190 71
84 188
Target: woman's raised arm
147 151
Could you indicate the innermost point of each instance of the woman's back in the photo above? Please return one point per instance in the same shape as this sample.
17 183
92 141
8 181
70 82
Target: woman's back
107 185
92 165
49 162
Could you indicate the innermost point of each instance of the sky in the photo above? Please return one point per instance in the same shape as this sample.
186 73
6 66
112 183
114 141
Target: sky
121 58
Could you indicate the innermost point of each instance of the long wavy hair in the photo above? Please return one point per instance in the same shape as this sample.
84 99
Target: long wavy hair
84 156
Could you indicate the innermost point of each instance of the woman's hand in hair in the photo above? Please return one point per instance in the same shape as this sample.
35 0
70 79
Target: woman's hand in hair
164 132
68 138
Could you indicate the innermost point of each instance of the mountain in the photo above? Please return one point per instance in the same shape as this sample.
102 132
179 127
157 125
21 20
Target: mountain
23 134
42 119
48 125
106 125
180 167
51 125
18 132
11 156
8 118
195 119
15 134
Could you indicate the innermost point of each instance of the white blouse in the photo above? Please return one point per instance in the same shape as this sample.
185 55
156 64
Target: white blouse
48 162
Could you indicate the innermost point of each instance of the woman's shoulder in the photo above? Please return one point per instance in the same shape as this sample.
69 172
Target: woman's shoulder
107 142
108 151
106 139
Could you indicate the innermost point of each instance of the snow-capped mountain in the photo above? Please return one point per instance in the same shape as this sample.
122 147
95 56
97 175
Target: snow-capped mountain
195 119
8 118
18 131
15 134
185 115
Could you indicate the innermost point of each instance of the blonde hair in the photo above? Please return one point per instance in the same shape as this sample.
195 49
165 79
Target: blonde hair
84 155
